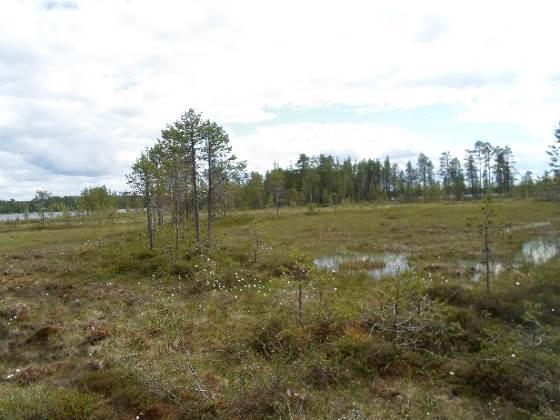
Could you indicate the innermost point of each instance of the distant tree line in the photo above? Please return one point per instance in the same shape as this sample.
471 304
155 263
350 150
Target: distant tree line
89 201
326 180
50 203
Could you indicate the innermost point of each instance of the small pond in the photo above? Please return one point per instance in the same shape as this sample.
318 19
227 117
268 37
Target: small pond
376 265
537 251
477 270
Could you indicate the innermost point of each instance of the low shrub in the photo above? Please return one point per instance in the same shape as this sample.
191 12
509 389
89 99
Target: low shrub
366 355
452 294
265 395
274 337
488 378
321 371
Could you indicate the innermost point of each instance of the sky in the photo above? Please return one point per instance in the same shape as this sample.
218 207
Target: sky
85 85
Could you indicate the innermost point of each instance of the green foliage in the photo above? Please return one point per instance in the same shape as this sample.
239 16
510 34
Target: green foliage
554 153
261 395
275 337
366 355
96 199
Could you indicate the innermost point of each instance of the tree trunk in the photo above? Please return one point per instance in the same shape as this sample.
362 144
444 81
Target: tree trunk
224 201
196 198
148 202
396 311
300 304
159 213
487 254
187 207
210 193
176 209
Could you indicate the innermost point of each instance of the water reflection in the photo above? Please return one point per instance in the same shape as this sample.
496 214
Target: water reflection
375 265
477 270
537 251
11 217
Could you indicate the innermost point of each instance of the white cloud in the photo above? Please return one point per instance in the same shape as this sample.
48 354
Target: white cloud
84 85
283 144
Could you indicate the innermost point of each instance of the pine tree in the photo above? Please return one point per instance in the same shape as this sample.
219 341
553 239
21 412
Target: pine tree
141 180
189 125
471 173
554 153
215 151
445 173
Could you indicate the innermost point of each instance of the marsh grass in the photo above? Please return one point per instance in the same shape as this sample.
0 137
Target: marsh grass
238 318
362 264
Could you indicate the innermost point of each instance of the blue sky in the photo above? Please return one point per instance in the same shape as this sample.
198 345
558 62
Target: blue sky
86 85
439 122
439 125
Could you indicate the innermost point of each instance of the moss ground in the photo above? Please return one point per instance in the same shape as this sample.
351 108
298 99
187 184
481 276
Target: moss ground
92 325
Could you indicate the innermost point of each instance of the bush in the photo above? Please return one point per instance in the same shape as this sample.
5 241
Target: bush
366 355
324 330
452 294
506 308
464 330
321 371
275 338
183 268
264 394
500 378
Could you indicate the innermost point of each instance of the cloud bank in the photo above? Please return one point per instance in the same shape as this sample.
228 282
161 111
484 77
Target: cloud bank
85 85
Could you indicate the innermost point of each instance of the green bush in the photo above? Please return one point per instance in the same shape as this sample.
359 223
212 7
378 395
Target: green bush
366 355
263 395
452 294
321 371
275 338
500 377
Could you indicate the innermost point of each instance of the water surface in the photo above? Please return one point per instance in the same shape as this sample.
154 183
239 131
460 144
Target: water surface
10 217
478 269
537 251
386 264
